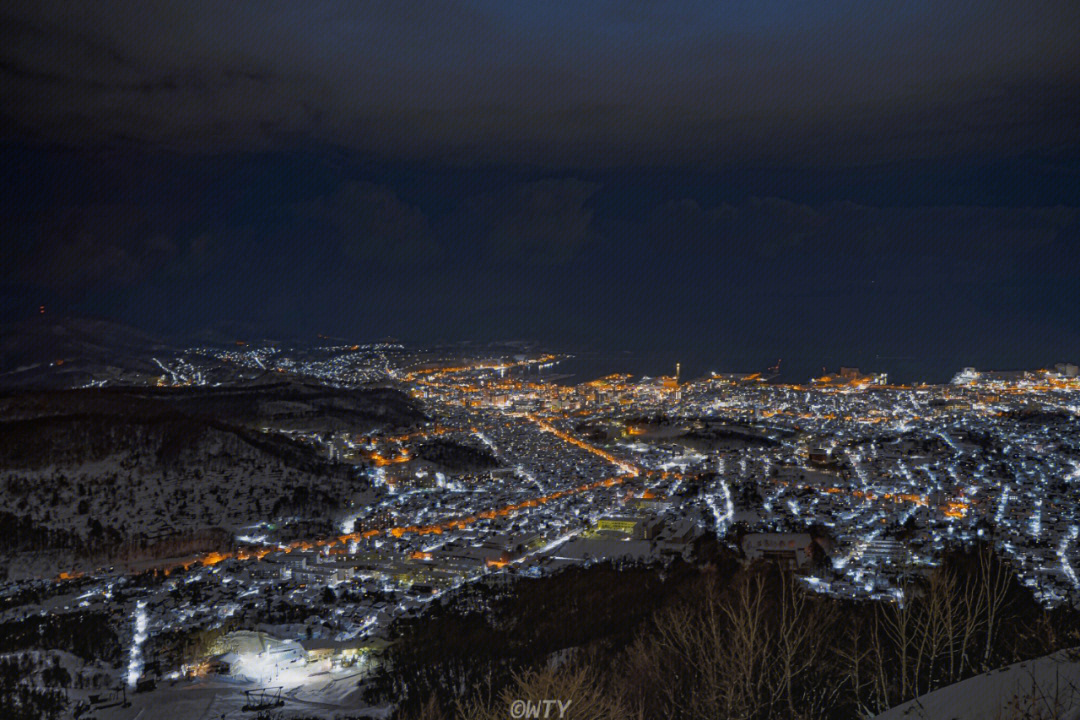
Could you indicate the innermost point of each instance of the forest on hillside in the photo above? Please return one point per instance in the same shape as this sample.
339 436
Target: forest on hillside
716 641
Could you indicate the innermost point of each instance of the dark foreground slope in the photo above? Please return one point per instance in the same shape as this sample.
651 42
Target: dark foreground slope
714 641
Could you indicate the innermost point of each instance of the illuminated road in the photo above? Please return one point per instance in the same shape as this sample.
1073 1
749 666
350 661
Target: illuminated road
630 470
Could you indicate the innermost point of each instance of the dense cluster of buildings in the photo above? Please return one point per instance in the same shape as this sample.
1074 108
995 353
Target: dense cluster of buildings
852 482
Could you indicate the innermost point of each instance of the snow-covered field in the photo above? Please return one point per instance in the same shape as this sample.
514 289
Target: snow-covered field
130 503
1046 688
224 484
324 695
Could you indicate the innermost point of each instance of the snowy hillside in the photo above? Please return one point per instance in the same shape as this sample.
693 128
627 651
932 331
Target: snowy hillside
1048 687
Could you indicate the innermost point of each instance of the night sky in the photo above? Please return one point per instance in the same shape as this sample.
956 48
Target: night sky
894 185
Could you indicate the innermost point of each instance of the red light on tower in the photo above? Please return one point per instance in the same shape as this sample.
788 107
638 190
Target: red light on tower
41 309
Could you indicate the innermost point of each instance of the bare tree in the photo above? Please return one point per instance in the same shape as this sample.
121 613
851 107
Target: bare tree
801 642
574 689
856 654
994 587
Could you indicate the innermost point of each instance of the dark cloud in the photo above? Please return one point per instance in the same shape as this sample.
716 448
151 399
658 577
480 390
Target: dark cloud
527 231
370 224
208 252
76 249
570 260
765 226
620 83
789 245
541 223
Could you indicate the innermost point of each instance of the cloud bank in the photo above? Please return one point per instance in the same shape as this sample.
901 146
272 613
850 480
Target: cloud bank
573 85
